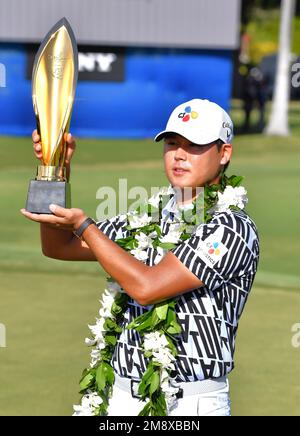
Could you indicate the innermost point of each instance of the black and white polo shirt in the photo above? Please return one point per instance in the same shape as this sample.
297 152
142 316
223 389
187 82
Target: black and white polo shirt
224 256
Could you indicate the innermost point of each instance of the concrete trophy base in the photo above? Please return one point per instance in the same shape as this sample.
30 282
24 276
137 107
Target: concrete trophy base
42 193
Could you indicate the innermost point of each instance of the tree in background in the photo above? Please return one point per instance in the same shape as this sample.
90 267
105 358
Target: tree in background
260 23
248 7
278 123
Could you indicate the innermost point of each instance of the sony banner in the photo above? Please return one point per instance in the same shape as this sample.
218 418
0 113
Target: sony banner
95 63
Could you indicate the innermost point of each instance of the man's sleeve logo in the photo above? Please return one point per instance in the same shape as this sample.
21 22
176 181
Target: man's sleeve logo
212 249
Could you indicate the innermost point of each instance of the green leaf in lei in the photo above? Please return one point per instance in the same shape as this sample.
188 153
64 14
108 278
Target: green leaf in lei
155 383
161 310
87 380
104 376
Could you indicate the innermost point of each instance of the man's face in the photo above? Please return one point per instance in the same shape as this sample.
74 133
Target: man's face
191 165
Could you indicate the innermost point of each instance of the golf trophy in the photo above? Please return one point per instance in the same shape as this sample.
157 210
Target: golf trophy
54 80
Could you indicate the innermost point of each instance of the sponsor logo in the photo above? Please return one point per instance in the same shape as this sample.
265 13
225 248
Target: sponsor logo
212 249
188 114
229 128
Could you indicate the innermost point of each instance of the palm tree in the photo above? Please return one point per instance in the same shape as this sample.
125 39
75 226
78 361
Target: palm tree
278 124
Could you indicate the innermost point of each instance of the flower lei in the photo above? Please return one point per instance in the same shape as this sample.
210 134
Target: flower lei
158 326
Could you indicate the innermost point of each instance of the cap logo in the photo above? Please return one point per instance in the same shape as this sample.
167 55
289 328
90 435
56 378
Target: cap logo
188 114
229 127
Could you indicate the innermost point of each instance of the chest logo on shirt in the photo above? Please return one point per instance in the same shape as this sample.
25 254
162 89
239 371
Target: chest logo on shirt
212 249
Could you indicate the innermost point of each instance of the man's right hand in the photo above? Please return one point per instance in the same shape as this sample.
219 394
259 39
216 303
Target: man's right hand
70 143
70 149
37 145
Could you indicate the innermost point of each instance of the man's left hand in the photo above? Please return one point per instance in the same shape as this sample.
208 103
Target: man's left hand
66 219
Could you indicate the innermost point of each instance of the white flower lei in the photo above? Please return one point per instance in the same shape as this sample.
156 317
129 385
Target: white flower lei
97 381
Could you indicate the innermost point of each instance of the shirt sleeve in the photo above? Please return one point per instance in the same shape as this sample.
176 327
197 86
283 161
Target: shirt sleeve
113 228
215 253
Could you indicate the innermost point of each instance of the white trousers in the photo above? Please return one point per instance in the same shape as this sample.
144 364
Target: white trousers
215 403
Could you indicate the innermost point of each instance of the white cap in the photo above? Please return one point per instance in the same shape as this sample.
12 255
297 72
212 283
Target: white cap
199 121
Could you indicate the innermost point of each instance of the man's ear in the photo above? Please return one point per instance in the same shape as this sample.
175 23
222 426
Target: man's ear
226 153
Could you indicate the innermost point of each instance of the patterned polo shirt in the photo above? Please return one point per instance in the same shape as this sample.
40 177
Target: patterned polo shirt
224 256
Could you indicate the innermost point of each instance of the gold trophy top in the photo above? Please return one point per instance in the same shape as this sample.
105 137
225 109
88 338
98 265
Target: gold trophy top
54 82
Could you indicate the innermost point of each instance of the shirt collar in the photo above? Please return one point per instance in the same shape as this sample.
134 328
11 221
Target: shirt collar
172 211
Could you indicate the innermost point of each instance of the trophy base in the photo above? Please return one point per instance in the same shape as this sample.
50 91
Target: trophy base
42 193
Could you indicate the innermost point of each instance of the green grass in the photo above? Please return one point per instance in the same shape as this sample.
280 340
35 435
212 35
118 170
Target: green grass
46 304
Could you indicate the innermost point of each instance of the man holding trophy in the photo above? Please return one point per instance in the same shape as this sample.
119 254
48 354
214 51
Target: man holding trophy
54 81
197 288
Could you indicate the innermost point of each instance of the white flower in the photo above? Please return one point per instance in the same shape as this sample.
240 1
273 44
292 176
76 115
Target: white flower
170 388
82 411
154 200
95 400
98 329
89 403
165 358
107 302
137 221
139 254
241 197
155 341
95 355
144 241
231 197
157 344
90 342
173 235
